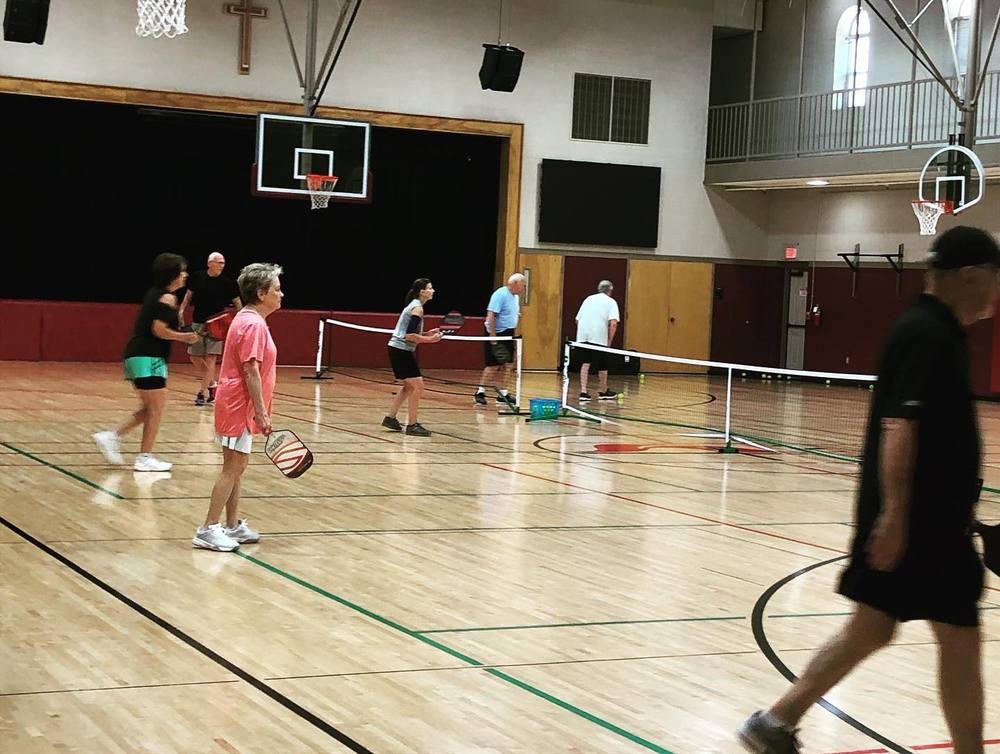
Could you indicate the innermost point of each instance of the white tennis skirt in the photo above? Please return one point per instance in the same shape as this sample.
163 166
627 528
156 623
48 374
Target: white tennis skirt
241 444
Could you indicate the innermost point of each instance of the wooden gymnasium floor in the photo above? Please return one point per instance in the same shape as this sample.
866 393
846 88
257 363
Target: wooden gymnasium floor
500 587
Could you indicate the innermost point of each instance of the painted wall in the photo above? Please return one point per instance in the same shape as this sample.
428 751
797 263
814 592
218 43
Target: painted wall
823 223
747 308
92 332
424 57
780 42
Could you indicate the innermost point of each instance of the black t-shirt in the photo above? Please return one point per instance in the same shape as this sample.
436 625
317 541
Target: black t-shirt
924 376
210 295
143 342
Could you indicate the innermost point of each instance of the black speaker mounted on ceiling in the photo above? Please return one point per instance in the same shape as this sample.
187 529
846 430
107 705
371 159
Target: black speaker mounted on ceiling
501 67
25 21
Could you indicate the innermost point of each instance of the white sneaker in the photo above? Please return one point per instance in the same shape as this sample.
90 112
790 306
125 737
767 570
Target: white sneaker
107 443
242 533
149 462
214 538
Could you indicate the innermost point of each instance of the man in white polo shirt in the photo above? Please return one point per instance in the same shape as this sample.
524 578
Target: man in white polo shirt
596 323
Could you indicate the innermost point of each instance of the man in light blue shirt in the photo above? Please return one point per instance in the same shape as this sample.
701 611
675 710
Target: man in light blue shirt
502 314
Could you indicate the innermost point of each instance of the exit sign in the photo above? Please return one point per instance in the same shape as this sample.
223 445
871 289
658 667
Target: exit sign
791 252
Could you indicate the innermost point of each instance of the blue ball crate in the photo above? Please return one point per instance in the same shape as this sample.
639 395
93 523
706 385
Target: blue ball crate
544 408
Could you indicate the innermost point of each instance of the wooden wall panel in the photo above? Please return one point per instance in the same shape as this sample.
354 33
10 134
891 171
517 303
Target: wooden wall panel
541 318
648 312
689 326
669 311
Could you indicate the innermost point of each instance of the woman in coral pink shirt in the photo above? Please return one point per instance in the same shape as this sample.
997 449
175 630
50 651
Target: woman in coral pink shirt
242 403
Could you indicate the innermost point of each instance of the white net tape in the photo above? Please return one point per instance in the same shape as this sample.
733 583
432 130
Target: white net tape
161 18
318 184
928 213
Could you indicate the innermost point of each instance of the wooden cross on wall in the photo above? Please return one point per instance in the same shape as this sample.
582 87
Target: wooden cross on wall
247 13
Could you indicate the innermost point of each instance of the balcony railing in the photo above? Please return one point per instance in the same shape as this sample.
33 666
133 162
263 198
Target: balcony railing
891 116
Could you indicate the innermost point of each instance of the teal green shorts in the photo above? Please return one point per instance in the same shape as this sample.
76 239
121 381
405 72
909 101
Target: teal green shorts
140 367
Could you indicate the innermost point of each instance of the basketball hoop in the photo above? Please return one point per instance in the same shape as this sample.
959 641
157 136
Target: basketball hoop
319 188
160 18
928 213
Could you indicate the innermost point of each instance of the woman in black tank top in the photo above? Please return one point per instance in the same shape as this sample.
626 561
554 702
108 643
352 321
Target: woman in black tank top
146 355
402 347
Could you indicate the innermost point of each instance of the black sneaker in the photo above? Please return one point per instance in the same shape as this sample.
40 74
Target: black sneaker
391 422
418 430
504 401
480 398
607 395
199 400
584 397
760 736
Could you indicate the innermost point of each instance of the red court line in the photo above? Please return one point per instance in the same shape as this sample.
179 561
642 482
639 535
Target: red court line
671 510
919 747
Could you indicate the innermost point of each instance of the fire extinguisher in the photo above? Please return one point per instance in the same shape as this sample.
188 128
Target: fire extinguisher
816 315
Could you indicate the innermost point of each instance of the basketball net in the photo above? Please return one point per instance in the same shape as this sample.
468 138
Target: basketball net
928 214
318 184
160 18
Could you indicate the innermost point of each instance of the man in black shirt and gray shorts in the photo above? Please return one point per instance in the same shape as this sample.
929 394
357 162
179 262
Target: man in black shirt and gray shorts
912 557
212 294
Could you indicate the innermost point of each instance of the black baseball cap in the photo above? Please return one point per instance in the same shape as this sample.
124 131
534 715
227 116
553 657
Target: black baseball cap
964 246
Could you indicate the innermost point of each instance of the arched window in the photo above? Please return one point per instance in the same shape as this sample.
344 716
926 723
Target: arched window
959 15
851 57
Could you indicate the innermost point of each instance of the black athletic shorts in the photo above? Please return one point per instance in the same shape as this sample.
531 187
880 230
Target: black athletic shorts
500 351
149 383
598 360
940 583
404 363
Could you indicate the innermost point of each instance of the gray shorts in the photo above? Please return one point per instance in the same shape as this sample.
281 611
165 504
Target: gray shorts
205 346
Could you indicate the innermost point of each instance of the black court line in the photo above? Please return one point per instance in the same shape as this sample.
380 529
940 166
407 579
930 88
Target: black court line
594 468
589 660
454 530
118 688
373 494
744 540
263 464
732 576
275 695
477 441
757 623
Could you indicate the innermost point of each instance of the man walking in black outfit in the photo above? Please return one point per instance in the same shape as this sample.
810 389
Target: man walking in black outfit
912 557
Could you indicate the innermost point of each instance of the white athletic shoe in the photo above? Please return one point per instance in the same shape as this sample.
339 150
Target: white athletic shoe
107 443
214 538
149 462
242 533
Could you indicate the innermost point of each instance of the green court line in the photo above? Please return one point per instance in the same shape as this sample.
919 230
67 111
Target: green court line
420 636
609 726
572 625
61 470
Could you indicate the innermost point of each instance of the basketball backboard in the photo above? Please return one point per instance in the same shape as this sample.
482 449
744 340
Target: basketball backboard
955 174
291 147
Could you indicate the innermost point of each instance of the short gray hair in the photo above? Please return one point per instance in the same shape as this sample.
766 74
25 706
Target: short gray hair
257 276
517 277
604 286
